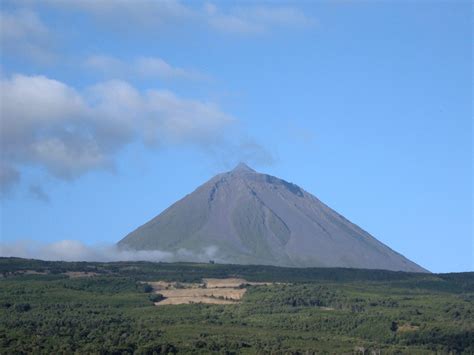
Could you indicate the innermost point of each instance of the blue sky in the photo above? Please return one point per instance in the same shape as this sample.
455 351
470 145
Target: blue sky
113 111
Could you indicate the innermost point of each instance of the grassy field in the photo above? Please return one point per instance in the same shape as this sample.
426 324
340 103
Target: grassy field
55 307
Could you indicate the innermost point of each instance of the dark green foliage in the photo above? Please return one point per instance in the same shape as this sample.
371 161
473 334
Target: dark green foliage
147 288
322 310
394 327
156 297
193 272
22 307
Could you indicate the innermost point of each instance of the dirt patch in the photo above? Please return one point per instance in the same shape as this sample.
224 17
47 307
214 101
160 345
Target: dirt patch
326 308
191 300
213 291
222 293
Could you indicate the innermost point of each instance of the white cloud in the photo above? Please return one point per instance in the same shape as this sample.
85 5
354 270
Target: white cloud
149 66
35 100
49 124
22 32
278 16
144 67
74 250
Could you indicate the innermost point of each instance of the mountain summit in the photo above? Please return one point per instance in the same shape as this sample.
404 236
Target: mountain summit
242 167
253 218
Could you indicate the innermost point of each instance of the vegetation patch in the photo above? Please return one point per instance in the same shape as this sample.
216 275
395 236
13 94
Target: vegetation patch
293 311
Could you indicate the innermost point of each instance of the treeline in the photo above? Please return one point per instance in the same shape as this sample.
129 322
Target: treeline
194 272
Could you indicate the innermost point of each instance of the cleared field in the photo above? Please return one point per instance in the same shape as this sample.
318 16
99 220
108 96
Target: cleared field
215 291
190 300
224 293
230 282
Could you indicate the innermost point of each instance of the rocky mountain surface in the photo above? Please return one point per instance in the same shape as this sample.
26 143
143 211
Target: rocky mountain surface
253 218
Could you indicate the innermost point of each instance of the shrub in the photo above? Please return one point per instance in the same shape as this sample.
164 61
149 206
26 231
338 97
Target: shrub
22 307
156 297
147 288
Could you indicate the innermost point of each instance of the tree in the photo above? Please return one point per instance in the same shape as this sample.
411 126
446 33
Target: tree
156 297
394 327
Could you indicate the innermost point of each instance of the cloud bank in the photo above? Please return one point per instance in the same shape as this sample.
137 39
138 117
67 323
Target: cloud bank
46 123
68 131
73 250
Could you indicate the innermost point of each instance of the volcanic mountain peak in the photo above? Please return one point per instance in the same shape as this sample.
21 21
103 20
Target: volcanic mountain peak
242 167
253 218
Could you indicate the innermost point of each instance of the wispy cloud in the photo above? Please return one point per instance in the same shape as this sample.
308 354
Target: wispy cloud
23 33
150 66
242 19
144 67
74 250
37 192
69 132
255 19
9 177
241 149
142 13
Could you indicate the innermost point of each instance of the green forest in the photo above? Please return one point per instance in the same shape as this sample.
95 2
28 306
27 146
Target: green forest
43 309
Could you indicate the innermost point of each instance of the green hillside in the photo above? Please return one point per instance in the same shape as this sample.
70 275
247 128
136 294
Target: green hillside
44 310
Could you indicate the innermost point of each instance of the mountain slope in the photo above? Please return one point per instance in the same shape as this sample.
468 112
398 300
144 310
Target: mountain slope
255 218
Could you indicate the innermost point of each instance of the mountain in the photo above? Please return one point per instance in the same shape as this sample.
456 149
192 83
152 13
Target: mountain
253 218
